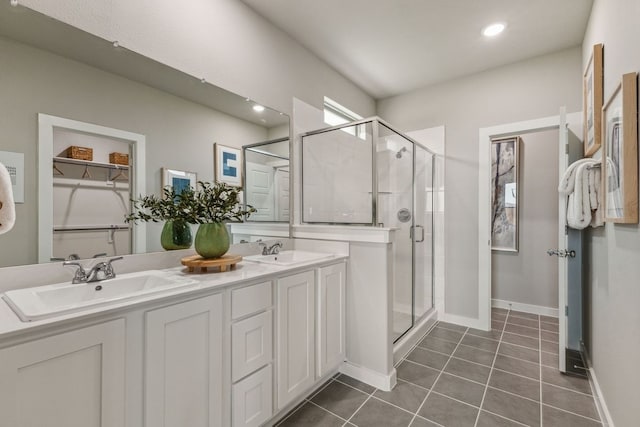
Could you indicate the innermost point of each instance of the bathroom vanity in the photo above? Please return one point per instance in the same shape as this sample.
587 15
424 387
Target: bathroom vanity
232 349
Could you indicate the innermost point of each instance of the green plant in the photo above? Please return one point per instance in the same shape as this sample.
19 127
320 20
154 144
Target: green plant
210 203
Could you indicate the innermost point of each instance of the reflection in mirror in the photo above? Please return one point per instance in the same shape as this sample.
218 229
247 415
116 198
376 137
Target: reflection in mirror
266 182
53 69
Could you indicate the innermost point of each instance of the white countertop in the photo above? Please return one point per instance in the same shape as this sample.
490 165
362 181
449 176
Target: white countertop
245 271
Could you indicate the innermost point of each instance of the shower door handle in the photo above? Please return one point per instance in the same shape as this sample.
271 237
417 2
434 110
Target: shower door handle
413 234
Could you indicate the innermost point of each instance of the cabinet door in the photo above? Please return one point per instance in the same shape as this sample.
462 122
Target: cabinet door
183 364
331 317
295 336
253 399
74 379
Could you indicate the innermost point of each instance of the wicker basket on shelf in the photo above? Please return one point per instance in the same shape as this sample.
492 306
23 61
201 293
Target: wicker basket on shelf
119 158
79 153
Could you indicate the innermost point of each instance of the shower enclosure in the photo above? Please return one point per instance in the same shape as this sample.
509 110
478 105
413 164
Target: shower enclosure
368 174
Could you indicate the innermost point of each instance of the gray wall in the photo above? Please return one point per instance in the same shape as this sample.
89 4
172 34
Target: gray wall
180 134
223 41
530 276
525 90
613 263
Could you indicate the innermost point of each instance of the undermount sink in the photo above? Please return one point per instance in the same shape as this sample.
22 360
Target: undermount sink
289 257
53 300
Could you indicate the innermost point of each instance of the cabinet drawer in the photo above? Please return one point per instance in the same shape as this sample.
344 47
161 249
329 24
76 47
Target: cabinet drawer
253 399
250 300
251 344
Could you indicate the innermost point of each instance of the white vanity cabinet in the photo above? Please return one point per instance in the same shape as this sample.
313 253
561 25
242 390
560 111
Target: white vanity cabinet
72 379
331 326
183 364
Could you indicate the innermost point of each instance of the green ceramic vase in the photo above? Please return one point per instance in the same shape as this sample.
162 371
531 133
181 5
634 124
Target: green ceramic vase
212 240
176 234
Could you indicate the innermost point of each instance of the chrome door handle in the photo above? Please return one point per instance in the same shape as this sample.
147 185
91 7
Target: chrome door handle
562 253
412 233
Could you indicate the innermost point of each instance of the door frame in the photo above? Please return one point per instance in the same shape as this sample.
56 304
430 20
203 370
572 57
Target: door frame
484 198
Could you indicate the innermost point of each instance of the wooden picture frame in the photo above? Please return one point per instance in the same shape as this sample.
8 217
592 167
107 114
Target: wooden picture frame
178 179
592 98
228 164
620 153
504 193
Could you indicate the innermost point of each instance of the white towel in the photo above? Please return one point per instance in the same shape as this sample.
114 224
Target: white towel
7 207
579 205
595 182
568 180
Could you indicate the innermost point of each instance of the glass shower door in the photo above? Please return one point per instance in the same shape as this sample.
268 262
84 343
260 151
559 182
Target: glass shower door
423 233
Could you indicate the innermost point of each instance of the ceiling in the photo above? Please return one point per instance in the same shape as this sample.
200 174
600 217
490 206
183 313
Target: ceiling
389 47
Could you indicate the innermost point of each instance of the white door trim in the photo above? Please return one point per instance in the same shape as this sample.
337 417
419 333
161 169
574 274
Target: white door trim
46 124
484 199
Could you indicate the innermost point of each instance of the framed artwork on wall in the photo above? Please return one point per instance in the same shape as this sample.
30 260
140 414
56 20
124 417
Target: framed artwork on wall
179 180
504 194
228 165
592 99
620 153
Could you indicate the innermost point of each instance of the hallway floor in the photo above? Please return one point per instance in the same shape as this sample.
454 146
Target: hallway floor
459 377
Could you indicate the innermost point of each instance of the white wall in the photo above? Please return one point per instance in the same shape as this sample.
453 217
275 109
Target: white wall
223 41
530 276
612 267
525 90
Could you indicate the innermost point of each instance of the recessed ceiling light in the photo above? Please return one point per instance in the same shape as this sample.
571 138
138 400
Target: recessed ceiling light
493 29
258 108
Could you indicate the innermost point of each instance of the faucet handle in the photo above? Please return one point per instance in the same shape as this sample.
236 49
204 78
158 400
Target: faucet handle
118 258
80 275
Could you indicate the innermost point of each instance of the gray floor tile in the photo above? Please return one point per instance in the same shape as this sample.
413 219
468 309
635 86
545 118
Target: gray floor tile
493 334
446 334
513 407
530 323
428 357
452 326
555 377
486 419
517 366
340 399
523 315
417 374
481 343
474 355
421 422
552 417
460 389
549 347
551 327
502 311
550 359
448 412
522 330
549 336
521 386
376 413
468 370
405 395
549 319
438 345
578 403
521 340
355 383
518 352
310 415
497 325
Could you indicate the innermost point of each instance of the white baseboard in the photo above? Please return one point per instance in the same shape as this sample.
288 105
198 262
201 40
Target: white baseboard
601 405
366 375
407 342
469 322
527 308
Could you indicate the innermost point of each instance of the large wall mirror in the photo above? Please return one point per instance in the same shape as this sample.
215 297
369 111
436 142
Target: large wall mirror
65 91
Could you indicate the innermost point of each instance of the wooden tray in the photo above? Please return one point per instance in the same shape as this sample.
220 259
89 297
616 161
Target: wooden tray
222 264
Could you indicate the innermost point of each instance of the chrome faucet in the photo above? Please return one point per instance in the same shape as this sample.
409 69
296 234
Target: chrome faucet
271 250
101 271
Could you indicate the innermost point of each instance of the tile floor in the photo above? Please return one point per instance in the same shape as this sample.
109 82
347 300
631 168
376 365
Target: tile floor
459 377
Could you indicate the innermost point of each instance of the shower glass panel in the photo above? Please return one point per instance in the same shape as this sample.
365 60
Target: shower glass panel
423 232
337 176
394 160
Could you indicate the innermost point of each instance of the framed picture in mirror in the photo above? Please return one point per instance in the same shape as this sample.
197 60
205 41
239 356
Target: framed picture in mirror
179 180
504 194
620 153
592 82
228 165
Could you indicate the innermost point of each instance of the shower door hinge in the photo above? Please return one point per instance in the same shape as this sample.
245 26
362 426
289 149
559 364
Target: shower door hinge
566 311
